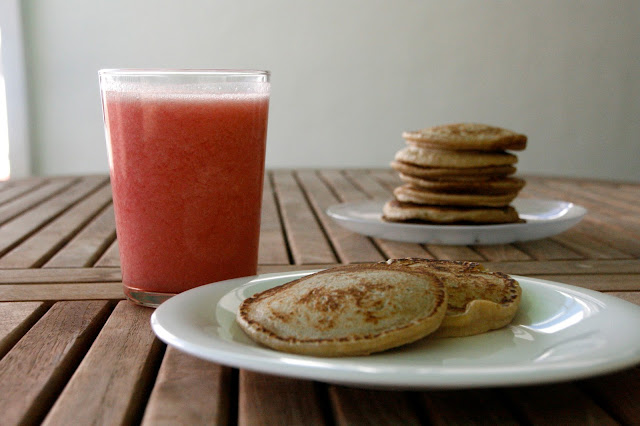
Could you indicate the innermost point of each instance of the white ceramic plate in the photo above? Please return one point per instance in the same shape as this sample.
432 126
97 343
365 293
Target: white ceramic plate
544 218
560 333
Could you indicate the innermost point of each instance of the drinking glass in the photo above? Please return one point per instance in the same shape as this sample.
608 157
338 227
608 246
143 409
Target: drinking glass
186 157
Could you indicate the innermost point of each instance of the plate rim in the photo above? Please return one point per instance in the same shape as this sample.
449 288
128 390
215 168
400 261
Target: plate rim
311 368
384 229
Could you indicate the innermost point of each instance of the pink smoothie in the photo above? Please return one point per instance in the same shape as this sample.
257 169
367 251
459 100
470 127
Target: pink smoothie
186 172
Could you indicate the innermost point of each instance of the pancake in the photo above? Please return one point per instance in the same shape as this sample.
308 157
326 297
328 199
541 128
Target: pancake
344 311
468 136
411 194
396 211
428 157
478 300
504 185
448 173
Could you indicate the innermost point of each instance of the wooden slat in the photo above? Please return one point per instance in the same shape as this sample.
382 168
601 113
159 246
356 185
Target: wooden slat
306 239
596 225
567 267
358 188
367 182
533 268
350 246
558 404
38 366
19 188
49 239
618 393
64 291
87 246
111 257
501 252
110 384
15 321
396 249
190 391
465 407
587 246
359 407
273 246
598 198
18 229
600 282
448 252
59 275
17 206
629 296
388 178
547 249
274 400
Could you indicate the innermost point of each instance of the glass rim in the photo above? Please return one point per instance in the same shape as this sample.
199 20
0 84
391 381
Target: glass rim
181 71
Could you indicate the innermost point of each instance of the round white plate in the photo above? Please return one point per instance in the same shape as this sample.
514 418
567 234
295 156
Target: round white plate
560 333
544 218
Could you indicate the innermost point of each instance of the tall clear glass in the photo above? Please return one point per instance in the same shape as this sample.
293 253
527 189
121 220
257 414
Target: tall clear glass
186 155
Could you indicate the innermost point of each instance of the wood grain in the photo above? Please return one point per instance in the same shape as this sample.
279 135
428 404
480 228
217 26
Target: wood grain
478 407
273 246
111 257
22 204
89 244
275 400
306 238
189 391
59 275
63 291
50 239
618 393
350 247
110 384
558 404
15 320
39 365
21 227
357 406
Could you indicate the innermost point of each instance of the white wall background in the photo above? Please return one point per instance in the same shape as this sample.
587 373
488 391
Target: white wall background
350 75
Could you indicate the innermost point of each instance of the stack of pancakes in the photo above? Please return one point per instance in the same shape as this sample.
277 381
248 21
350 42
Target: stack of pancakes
457 173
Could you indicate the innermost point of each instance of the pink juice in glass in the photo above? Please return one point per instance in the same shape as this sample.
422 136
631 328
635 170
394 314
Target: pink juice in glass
186 173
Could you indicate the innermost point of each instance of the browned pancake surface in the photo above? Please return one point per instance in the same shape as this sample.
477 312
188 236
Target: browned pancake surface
348 310
468 136
478 300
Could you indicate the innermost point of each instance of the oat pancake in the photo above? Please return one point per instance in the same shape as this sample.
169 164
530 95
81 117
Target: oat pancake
448 173
478 300
411 194
468 136
428 157
348 310
489 186
396 211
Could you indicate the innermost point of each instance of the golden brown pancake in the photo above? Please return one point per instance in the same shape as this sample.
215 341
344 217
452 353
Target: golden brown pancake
428 157
478 300
411 194
347 310
396 211
506 185
468 136
448 173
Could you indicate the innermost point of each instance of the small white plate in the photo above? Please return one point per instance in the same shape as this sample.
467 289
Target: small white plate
544 218
560 333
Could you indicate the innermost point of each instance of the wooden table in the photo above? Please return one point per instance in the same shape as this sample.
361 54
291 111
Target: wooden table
73 352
